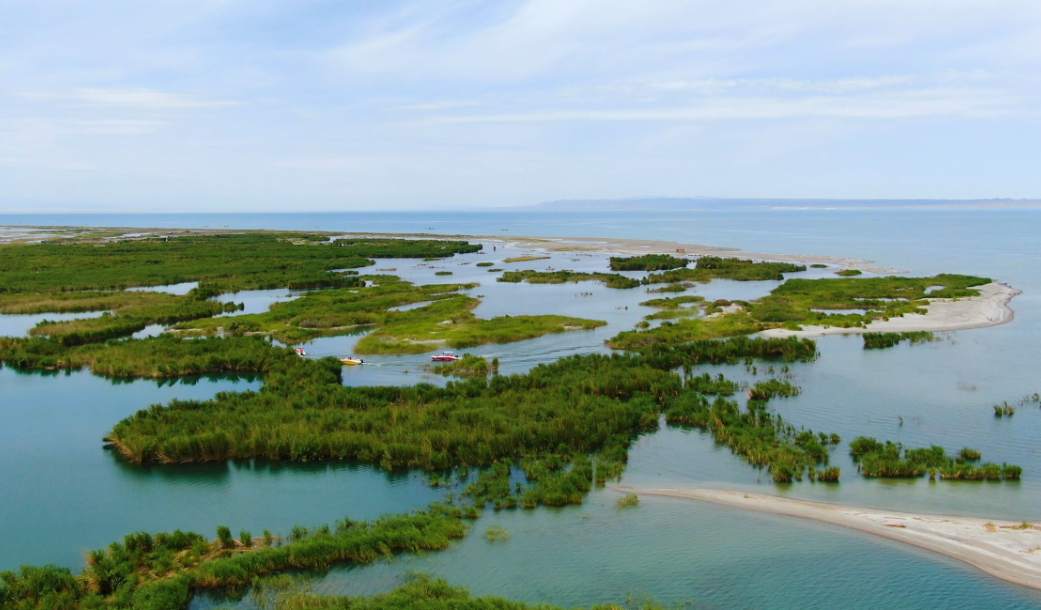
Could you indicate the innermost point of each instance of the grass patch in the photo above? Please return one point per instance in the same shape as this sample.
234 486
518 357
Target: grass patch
848 272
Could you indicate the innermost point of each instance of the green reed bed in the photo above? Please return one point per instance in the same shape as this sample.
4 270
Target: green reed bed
611 280
877 459
647 262
887 340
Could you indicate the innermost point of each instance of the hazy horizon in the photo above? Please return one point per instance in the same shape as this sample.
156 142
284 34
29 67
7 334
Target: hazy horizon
283 106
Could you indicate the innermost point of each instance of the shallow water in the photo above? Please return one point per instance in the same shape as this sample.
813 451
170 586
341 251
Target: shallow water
64 494
19 325
939 392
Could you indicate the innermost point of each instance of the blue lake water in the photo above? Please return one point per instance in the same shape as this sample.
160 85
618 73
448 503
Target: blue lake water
674 551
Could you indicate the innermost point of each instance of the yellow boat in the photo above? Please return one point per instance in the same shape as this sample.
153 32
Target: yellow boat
352 361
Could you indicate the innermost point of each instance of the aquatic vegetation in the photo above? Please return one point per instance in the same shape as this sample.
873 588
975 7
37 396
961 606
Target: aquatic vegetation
968 454
425 593
485 264
611 280
524 259
818 266
302 413
674 302
162 571
730 351
876 459
442 273
668 288
762 438
467 367
803 301
496 533
162 357
887 340
709 385
708 268
674 307
770 388
224 262
126 312
446 320
629 500
848 272
1004 410
685 331
839 302
647 262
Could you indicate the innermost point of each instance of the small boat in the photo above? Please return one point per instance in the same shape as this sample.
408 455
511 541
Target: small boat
352 361
300 352
445 357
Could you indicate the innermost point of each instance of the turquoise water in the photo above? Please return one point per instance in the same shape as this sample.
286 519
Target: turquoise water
674 551
64 494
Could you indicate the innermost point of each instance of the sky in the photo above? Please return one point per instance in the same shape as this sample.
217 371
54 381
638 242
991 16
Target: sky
309 105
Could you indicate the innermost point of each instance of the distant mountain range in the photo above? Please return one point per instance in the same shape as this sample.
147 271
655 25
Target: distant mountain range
717 203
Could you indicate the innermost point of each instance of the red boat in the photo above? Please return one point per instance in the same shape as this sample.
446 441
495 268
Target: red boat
445 357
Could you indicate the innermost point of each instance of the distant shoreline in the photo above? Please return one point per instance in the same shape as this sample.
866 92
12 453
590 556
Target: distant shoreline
1003 549
991 308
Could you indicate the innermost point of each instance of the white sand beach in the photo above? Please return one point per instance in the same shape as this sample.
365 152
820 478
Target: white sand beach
1010 551
990 308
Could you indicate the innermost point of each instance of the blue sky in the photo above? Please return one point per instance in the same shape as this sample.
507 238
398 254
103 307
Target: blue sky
227 105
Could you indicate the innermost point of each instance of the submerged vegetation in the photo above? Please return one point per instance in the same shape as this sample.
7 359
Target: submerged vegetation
647 262
524 259
887 340
892 460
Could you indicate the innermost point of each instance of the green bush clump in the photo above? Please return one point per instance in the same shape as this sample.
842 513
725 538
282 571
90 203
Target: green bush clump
876 459
886 340
611 280
647 262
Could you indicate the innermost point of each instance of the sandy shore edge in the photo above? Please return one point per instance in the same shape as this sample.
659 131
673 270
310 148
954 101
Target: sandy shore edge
990 308
1003 549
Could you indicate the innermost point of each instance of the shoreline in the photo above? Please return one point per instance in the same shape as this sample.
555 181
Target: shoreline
990 308
600 245
1003 549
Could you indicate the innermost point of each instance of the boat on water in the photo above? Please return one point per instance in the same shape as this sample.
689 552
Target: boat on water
445 357
300 352
352 361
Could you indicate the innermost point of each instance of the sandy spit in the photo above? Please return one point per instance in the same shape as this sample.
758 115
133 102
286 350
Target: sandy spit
990 308
632 247
1003 549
